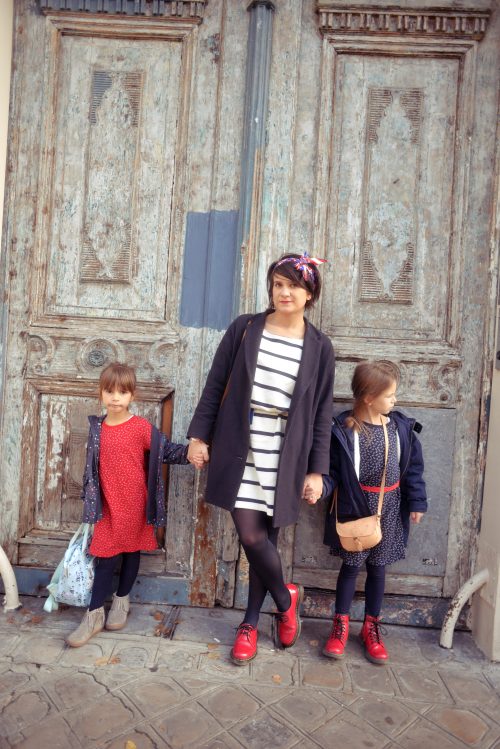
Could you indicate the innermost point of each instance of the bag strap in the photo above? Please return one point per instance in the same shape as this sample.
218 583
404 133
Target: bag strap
382 483
82 530
79 531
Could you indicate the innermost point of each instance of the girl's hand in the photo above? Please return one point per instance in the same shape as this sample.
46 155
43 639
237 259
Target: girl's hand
416 517
313 488
198 453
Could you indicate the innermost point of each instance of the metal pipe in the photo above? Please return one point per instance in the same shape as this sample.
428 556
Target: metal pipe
260 36
461 597
11 600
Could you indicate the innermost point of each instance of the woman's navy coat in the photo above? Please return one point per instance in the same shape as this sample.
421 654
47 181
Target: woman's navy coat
161 451
351 500
222 419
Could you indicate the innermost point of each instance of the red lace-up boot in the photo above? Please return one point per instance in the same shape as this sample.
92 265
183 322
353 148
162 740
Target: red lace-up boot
371 637
245 645
335 645
289 620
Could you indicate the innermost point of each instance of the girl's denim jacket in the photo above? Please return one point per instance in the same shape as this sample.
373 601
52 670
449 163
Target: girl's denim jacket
161 451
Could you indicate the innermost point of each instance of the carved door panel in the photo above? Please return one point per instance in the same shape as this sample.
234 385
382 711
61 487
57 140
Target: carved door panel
393 159
101 173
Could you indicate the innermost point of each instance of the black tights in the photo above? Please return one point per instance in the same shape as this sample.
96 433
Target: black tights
259 540
374 588
103 580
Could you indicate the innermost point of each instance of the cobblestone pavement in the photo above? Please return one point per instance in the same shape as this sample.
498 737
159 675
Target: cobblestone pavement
167 681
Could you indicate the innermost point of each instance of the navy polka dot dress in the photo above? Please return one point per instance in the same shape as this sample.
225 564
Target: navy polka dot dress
372 455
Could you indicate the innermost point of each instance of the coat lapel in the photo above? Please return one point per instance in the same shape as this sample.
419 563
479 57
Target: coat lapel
308 366
252 342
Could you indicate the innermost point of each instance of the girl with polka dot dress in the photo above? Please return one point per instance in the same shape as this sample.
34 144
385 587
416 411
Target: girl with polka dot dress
357 458
123 495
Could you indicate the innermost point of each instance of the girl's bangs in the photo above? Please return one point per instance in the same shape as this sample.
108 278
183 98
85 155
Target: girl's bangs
118 377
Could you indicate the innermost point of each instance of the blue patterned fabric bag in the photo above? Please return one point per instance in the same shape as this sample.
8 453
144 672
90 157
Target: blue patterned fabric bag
73 579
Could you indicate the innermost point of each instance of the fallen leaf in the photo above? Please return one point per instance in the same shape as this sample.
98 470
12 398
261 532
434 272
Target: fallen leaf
36 619
212 645
277 678
130 745
25 612
158 616
107 661
213 656
314 643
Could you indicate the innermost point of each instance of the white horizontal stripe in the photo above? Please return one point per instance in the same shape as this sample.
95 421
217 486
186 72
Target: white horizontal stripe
259 468
263 398
284 340
274 387
266 459
272 357
284 368
267 434
270 371
242 505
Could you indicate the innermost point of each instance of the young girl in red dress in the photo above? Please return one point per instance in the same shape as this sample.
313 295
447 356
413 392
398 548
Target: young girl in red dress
123 495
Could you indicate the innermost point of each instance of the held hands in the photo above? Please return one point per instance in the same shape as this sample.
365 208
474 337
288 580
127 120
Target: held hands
197 453
313 488
416 517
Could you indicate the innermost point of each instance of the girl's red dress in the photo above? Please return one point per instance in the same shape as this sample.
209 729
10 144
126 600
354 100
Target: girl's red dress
122 476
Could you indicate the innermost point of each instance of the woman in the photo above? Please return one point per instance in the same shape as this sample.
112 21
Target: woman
265 413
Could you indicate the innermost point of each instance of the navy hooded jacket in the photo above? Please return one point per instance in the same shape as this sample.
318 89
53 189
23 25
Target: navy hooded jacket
161 451
351 500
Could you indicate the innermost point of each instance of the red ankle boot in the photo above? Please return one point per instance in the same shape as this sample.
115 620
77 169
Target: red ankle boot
371 637
289 620
245 645
336 643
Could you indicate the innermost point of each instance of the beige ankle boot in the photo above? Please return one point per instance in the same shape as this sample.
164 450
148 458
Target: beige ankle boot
118 613
91 624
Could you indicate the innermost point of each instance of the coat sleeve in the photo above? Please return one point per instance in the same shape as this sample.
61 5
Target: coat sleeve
330 480
414 484
172 452
203 421
318 455
87 471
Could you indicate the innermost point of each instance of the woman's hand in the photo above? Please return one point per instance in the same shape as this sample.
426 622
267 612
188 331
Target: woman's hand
198 453
313 488
416 517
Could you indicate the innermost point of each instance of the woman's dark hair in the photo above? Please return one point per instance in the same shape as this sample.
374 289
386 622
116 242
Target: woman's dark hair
311 283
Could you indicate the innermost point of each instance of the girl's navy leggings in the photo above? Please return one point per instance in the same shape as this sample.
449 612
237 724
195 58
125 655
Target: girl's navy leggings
374 588
103 580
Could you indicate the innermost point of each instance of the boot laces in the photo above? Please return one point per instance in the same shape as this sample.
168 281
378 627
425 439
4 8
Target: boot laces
245 629
375 631
339 628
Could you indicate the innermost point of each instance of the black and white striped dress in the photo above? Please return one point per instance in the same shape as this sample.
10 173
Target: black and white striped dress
278 364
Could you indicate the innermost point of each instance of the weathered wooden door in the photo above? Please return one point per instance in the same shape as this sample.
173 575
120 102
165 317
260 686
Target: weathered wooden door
398 216
114 136
124 168
391 111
